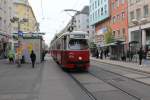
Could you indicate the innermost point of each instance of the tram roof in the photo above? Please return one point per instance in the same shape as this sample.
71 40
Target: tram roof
70 33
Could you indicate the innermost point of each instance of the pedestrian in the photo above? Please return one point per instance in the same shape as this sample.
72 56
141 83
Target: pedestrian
33 58
105 53
43 55
97 53
101 54
11 56
140 53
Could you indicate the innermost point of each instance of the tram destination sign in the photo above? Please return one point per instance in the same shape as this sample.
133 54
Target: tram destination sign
78 36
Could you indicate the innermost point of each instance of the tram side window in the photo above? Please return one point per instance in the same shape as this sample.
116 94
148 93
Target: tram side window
64 43
58 45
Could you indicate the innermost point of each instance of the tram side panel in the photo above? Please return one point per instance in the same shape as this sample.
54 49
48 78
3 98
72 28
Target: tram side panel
75 59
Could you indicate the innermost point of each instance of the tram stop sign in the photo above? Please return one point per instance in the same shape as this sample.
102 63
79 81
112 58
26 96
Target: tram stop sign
20 33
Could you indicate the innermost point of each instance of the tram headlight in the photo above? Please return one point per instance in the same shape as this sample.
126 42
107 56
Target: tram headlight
80 58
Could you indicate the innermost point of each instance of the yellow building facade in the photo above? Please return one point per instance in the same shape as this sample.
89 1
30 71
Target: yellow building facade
24 10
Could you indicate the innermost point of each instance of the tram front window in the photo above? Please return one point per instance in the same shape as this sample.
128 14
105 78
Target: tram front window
78 44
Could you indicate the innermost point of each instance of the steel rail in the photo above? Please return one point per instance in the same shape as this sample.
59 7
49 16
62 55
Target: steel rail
132 95
89 94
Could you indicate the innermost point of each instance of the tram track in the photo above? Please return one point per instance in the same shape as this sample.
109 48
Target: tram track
91 94
132 95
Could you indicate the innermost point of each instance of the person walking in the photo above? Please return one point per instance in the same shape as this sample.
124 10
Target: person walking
101 54
33 58
97 53
140 53
11 56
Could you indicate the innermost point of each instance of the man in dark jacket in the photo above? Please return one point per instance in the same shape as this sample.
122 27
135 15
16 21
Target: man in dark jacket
33 58
140 53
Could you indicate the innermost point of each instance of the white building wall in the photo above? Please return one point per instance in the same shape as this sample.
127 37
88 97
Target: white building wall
82 24
6 11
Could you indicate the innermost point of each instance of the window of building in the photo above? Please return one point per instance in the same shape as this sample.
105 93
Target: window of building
95 14
90 17
105 9
0 22
122 1
138 13
98 12
113 5
118 17
118 31
4 1
138 1
98 3
146 11
114 33
123 32
123 15
131 2
102 11
87 20
113 19
78 21
93 17
117 3
132 15
4 21
95 4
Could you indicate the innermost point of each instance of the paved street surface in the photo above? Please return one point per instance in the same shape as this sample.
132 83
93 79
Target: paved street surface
133 82
49 82
45 82
19 83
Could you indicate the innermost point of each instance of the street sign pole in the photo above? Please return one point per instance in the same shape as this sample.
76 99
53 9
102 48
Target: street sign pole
19 45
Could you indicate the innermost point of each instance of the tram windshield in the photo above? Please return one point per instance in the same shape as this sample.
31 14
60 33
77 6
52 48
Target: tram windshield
78 44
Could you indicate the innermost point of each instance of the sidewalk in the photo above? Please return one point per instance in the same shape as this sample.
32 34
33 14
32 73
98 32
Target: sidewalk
144 68
57 85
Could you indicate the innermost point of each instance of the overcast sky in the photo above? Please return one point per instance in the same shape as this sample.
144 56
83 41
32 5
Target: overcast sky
50 14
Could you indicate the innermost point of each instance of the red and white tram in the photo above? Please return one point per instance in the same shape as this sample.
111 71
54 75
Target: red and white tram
71 50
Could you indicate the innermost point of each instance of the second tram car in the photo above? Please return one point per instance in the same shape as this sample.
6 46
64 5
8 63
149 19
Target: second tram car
71 50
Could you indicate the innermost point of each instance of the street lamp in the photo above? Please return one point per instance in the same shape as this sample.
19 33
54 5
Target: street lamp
139 23
19 21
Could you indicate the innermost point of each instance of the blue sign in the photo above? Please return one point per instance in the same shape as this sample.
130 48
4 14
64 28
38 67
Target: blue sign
20 33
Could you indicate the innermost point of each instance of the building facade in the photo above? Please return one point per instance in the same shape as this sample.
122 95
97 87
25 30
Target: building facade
6 12
119 19
24 10
139 21
82 22
100 18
